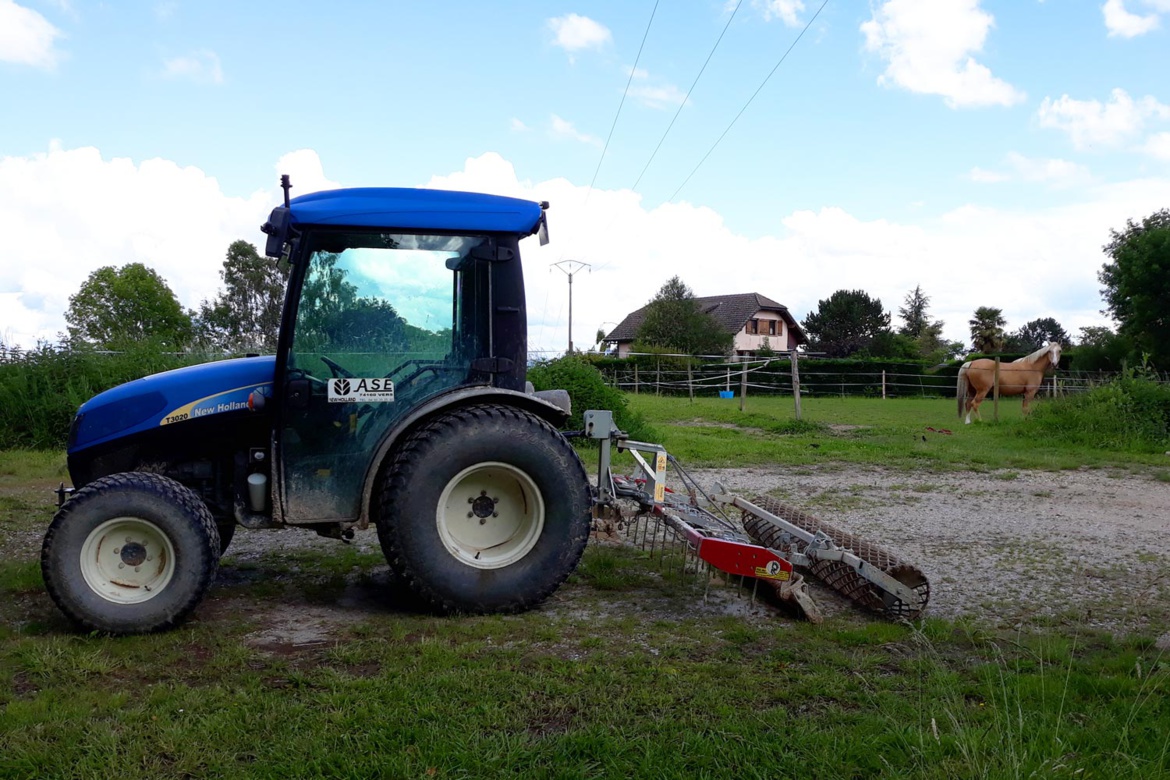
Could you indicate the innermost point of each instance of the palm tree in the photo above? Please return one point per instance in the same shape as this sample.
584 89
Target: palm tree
987 329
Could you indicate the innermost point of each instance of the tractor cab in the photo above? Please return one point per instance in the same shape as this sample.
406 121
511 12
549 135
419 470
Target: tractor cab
396 299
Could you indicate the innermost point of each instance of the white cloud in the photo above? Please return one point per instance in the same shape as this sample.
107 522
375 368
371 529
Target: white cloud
654 92
928 48
1158 145
65 213
563 128
1122 23
1017 167
305 172
1035 263
574 33
784 10
202 67
1092 123
26 37
518 126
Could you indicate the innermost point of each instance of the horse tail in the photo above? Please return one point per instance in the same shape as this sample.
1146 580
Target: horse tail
961 387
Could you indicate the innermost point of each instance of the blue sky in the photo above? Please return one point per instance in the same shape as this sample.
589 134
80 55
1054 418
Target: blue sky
980 149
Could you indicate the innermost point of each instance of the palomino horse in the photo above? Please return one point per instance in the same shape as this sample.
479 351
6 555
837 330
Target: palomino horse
1019 377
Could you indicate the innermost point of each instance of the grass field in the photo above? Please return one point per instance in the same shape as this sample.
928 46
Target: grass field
299 664
891 432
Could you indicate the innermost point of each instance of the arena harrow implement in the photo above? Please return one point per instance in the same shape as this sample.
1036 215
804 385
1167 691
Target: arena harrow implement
768 542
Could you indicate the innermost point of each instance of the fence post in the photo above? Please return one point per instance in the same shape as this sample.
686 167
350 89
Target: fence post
883 384
635 379
742 385
690 381
795 381
658 376
728 388
995 389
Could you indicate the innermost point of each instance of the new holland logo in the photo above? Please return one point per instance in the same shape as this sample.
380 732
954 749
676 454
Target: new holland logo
357 390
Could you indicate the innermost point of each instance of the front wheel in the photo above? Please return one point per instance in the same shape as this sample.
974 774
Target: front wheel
130 553
484 509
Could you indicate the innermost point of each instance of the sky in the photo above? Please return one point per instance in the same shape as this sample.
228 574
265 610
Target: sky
982 150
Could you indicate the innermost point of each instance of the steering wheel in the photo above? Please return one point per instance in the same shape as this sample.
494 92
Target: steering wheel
336 369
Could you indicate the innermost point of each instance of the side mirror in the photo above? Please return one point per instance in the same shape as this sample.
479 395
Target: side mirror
277 230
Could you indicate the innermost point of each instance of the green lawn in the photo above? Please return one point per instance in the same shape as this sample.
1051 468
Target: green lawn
624 673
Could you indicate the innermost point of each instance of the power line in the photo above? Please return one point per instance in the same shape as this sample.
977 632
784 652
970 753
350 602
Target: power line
687 96
749 102
622 102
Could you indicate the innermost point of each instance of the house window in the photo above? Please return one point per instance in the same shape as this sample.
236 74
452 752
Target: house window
771 327
754 326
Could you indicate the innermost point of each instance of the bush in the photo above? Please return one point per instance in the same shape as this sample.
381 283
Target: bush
41 389
1131 413
588 390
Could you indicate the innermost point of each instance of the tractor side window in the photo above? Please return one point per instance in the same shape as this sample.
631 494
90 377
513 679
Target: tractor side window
383 322
386 306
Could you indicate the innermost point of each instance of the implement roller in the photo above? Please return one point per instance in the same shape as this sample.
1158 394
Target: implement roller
771 542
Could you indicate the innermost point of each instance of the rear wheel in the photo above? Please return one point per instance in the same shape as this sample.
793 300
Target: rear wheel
484 509
130 553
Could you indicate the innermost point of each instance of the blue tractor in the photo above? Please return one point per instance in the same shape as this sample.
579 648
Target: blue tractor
397 396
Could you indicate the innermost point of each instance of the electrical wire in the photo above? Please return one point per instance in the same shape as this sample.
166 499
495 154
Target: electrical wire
749 102
687 96
622 102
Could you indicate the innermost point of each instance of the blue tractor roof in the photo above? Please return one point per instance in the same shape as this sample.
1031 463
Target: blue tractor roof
415 209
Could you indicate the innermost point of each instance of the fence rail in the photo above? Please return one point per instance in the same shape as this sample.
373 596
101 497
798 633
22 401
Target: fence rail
764 378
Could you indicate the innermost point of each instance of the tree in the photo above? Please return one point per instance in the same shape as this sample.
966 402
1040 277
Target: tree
1036 334
987 329
1100 349
246 313
674 321
118 306
845 322
1137 283
913 314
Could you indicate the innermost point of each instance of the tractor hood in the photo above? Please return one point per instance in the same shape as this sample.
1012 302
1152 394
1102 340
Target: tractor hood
170 397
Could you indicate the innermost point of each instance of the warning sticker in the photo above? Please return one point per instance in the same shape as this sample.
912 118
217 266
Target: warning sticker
771 572
356 390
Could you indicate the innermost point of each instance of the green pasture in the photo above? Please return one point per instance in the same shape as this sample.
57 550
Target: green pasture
624 673
888 432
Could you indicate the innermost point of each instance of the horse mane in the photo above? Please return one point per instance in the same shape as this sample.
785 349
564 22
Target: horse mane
1032 358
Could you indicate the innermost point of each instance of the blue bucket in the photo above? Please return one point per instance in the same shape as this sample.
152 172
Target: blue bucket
727 394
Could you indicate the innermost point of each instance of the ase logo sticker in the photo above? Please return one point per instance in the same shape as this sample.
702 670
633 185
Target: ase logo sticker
355 390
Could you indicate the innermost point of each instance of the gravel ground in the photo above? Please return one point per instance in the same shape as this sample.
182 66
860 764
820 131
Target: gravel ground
1005 547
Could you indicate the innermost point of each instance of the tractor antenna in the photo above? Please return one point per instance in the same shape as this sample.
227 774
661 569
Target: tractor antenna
286 186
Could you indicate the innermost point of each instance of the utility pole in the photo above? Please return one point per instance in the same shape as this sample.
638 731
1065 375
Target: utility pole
570 267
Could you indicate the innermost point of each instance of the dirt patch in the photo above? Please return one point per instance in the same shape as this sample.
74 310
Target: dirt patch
293 628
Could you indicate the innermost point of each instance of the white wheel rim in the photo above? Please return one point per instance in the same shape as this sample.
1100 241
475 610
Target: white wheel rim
490 515
127 560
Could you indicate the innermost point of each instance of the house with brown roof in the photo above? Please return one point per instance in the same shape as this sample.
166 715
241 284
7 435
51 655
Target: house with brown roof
751 317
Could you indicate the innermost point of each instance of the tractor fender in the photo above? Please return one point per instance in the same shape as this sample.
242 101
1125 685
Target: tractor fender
554 413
